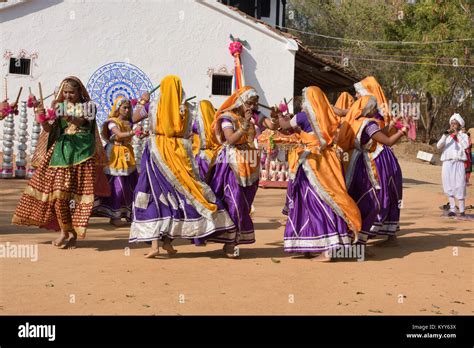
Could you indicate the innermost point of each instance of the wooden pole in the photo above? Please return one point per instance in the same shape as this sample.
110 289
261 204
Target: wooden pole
41 92
18 96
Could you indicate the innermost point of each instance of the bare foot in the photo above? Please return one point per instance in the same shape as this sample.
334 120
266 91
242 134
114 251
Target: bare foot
152 254
169 248
59 242
390 242
118 222
71 243
323 257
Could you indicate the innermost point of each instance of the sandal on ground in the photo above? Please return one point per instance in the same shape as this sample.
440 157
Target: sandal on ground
231 251
61 242
71 244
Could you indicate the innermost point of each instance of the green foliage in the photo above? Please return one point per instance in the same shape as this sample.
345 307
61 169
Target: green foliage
426 71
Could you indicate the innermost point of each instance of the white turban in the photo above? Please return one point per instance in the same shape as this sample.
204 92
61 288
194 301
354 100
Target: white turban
457 118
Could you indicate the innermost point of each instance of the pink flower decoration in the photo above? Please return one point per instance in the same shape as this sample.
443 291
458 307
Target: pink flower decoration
51 115
41 118
138 132
8 110
283 108
134 102
235 47
398 125
32 102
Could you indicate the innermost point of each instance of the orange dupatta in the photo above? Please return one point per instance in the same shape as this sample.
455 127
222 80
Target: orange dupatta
344 101
319 160
350 138
370 86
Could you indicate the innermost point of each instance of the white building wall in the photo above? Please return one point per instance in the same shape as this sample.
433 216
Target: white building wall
161 37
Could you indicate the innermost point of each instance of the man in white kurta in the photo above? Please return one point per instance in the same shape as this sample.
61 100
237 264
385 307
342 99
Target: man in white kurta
454 144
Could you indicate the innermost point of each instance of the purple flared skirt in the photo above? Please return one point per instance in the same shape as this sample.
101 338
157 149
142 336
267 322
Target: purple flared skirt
203 166
312 225
237 201
379 208
119 203
161 209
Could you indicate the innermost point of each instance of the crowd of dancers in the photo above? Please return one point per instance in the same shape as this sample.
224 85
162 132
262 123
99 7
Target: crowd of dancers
200 169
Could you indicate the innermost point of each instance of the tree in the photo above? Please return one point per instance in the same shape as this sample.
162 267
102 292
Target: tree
372 31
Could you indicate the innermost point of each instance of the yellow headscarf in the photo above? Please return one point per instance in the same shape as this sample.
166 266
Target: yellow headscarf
322 167
113 116
204 142
370 86
171 149
344 101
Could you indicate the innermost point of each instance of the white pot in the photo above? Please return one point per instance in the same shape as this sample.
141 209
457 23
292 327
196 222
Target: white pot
7 159
8 151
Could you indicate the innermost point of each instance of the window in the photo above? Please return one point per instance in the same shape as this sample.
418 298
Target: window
221 84
247 6
265 8
20 66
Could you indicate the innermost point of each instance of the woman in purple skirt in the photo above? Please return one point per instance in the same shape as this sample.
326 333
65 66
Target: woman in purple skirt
121 171
373 177
170 199
234 176
322 217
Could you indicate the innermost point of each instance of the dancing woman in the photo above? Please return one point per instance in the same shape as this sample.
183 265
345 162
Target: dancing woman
170 199
60 195
121 171
374 177
322 217
234 177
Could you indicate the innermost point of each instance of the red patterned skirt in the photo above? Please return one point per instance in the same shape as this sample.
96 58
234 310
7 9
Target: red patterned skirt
58 198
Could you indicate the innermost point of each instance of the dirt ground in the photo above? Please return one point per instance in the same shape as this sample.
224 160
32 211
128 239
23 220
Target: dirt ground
429 273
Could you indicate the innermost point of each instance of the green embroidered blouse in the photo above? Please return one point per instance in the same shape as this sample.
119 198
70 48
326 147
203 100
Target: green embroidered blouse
74 144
